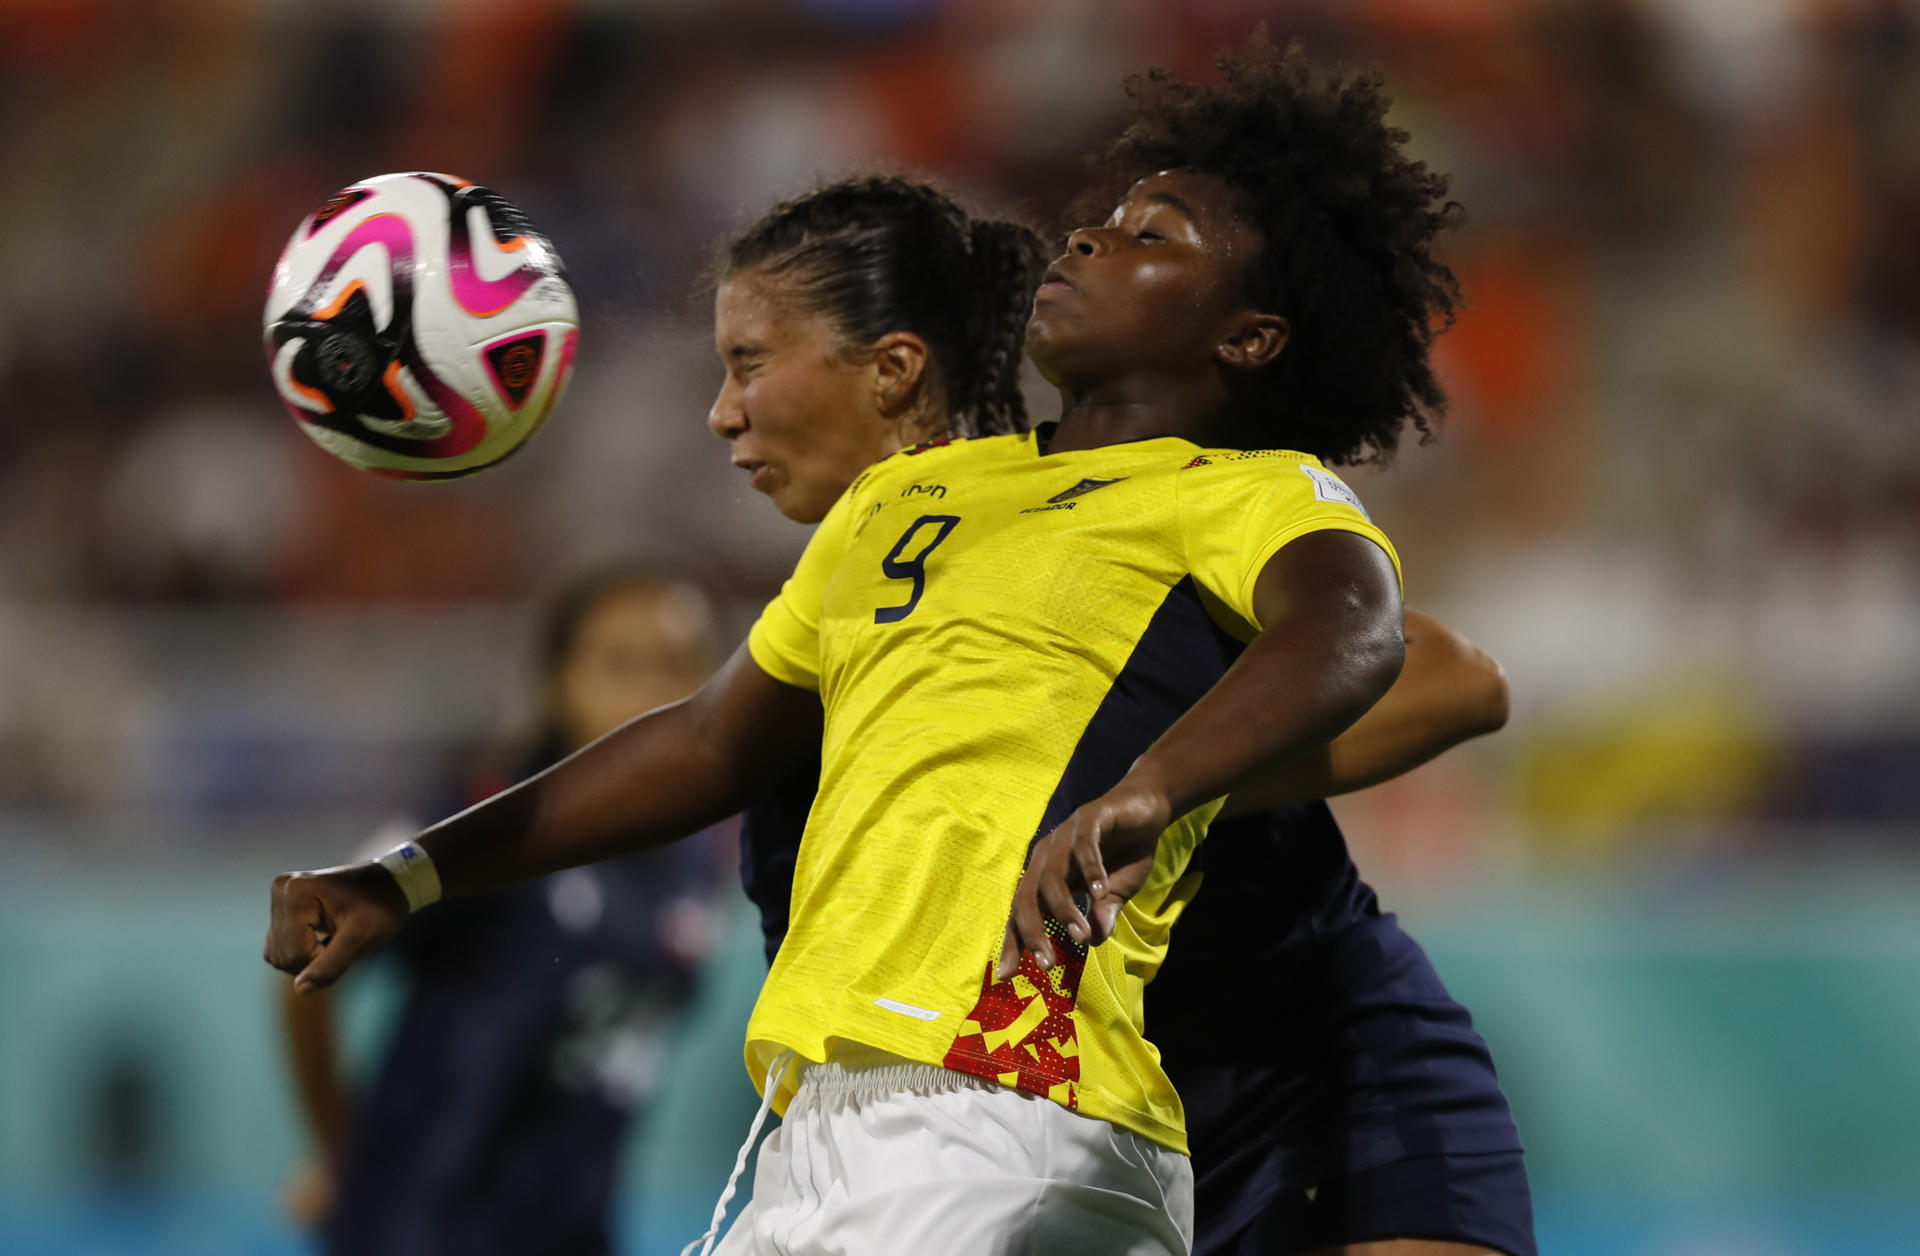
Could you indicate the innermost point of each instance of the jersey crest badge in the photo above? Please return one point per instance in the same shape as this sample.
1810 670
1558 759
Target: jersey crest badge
1085 486
1331 488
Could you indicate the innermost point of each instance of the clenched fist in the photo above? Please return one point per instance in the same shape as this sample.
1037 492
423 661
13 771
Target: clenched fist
322 921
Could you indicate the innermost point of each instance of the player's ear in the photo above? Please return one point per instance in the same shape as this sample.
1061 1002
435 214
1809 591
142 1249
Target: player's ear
898 363
1253 341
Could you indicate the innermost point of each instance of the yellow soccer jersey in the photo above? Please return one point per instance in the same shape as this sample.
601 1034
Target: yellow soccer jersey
996 635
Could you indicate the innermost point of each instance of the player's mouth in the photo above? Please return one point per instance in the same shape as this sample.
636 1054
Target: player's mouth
1053 283
758 473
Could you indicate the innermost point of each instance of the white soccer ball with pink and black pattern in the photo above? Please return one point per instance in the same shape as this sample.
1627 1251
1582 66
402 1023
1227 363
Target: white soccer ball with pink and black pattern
418 326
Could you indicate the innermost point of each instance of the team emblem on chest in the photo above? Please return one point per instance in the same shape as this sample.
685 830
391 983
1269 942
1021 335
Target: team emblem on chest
1063 500
1083 487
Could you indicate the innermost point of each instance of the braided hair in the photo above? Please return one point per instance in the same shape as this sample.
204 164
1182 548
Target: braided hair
881 254
1349 225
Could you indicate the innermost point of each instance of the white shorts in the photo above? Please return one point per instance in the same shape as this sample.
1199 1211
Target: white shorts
882 1156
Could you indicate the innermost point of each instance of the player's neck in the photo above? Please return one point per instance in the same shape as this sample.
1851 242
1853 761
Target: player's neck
1091 420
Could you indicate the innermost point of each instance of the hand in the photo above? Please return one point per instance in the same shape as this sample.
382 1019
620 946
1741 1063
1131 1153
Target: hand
322 921
309 1192
1104 850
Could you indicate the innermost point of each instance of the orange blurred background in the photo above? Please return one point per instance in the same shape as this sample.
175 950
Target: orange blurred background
1678 497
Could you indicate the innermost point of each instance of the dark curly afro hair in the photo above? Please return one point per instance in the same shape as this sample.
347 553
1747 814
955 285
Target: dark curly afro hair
1349 225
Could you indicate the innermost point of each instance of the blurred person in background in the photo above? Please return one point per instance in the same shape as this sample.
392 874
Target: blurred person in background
536 1019
1658 334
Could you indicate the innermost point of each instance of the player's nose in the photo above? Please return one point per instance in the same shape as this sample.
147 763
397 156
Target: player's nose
727 418
1086 242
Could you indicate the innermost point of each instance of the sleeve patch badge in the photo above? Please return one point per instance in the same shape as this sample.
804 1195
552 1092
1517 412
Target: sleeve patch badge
1329 487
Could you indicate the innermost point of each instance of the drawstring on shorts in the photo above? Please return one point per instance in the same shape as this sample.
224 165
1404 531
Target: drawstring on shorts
775 1072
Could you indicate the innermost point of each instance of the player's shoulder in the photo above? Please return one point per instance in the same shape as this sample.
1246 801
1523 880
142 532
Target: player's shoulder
1279 464
1287 472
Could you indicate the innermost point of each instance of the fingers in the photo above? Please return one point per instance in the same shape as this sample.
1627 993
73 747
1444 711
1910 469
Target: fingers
322 921
333 958
1070 856
1044 890
1130 863
1106 914
1090 863
1029 926
1058 896
1048 871
294 921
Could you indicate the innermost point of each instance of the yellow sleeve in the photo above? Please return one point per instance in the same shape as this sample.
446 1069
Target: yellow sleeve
785 640
1237 515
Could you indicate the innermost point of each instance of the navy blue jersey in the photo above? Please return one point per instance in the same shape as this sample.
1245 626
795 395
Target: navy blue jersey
769 843
1374 1061
534 1026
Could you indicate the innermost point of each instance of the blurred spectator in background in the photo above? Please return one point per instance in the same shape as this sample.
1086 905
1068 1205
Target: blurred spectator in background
1678 497
536 1020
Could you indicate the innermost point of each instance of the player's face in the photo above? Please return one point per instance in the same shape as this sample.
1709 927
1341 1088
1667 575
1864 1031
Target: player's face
623 662
803 419
1153 290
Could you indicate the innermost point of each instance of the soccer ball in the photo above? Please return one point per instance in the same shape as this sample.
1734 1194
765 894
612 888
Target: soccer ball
418 326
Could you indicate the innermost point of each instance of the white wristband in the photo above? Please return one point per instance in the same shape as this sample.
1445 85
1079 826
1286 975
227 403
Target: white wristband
413 869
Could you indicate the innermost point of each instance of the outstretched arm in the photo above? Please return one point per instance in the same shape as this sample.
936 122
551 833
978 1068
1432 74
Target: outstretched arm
654 780
1449 691
1329 647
